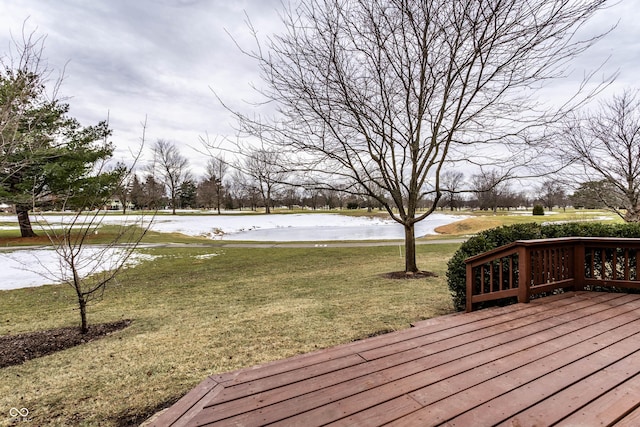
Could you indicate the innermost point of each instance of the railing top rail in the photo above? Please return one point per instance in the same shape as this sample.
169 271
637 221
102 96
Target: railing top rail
622 240
512 247
498 252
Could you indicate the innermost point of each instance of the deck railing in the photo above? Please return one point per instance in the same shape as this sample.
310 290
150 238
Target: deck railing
528 267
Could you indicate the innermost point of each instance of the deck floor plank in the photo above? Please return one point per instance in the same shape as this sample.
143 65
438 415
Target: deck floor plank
434 371
632 419
384 413
452 378
610 407
556 359
580 394
515 392
475 330
192 403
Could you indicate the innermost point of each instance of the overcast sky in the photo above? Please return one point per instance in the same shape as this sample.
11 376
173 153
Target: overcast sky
162 58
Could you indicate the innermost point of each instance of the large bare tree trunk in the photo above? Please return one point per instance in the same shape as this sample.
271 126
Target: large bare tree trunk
24 222
411 266
267 203
632 215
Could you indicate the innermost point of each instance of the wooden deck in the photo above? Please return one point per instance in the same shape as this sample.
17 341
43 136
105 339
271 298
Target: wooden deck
570 360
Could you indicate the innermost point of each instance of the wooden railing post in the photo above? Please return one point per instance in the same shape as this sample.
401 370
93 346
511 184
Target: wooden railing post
578 266
469 307
524 274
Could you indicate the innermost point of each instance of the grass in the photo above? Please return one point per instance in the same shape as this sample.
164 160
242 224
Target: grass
200 311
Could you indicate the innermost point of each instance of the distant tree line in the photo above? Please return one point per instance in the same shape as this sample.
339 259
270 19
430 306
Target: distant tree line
259 182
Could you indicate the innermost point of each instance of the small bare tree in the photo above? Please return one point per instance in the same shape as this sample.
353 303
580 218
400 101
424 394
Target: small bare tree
376 96
172 167
87 268
605 144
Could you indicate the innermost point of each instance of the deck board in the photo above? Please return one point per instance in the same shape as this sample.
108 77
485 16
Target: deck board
581 394
571 359
632 419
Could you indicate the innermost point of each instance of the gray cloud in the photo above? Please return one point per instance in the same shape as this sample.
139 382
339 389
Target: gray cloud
162 58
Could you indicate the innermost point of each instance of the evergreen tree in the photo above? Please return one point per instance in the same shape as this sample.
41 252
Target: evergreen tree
45 154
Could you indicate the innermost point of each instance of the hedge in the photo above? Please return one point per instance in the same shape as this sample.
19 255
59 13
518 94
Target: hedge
496 237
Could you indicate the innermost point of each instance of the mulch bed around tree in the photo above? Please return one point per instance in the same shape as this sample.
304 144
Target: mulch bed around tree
406 275
17 349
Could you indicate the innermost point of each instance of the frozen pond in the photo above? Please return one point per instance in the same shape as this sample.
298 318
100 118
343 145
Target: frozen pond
23 268
275 227
295 227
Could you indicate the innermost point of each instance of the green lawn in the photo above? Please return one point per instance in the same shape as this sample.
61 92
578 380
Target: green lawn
199 311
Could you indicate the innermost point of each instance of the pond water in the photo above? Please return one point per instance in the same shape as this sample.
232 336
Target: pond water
295 227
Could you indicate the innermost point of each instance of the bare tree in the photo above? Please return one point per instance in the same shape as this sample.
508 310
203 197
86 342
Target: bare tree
172 167
551 193
606 145
290 197
264 169
489 188
216 170
313 197
245 190
331 198
89 269
380 94
452 183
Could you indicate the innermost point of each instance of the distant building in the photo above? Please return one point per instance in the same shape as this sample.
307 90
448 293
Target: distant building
116 205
